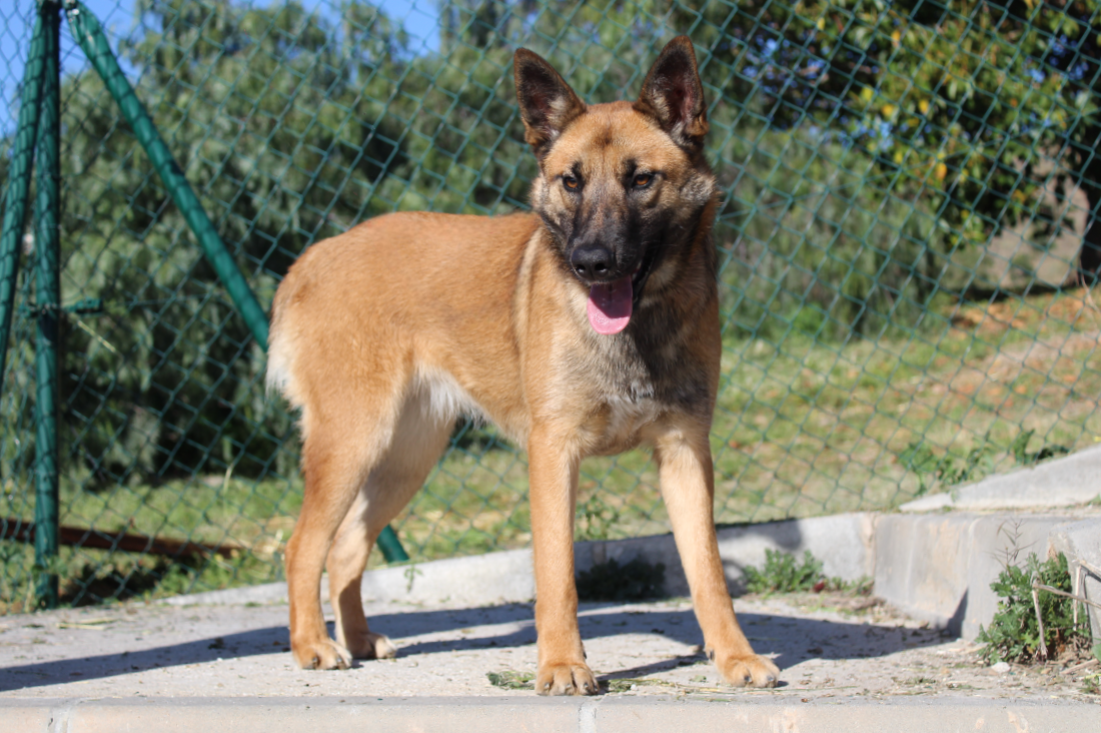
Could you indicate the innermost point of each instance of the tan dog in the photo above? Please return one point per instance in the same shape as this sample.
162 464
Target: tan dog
587 328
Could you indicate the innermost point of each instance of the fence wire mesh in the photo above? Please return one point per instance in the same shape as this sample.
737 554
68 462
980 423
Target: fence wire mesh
905 237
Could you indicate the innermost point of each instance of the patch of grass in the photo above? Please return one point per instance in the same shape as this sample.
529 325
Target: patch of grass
802 427
782 573
256 515
1014 633
948 470
89 577
636 580
509 680
626 684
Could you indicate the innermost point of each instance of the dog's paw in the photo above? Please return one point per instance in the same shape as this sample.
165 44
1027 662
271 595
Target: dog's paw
749 671
565 679
324 654
372 646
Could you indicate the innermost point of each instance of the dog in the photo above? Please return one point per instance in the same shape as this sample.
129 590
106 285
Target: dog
587 327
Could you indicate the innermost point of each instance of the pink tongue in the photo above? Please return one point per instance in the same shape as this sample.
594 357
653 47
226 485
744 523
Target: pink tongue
610 306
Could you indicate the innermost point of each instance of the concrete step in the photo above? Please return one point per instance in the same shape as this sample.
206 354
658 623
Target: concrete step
547 715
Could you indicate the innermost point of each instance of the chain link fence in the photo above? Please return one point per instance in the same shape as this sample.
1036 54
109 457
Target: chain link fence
905 238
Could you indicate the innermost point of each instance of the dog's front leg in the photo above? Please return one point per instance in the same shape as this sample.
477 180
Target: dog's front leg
553 481
688 487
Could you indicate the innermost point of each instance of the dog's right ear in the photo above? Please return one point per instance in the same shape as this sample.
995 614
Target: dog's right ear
547 104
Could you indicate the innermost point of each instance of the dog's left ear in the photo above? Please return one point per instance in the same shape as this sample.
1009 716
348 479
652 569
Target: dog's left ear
673 96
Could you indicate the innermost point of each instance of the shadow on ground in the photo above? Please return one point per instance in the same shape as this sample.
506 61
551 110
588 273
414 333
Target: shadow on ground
791 639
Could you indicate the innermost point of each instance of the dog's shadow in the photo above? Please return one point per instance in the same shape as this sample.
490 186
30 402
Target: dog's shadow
789 640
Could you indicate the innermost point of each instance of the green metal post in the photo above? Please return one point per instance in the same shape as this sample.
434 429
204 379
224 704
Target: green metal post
48 305
87 31
19 186
89 34
390 545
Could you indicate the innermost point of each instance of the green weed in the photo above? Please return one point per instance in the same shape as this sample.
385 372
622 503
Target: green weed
510 680
1014 632
782 573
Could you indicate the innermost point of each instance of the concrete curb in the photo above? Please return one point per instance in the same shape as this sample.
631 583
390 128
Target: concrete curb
844 543
936 568
591 715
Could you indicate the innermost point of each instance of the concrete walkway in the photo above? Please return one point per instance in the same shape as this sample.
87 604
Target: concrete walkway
227 667
220 661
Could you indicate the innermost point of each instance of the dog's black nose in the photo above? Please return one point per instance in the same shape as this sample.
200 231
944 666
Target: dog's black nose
592 262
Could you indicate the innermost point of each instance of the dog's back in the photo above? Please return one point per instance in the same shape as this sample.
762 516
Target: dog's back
385 297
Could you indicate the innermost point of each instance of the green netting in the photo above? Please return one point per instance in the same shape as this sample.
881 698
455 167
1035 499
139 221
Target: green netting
905 237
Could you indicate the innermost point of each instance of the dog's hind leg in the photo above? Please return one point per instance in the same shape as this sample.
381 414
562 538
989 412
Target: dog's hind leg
419 439
347 436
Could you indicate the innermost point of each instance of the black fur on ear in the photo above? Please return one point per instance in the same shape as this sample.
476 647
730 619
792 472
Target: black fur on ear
673 96
547 104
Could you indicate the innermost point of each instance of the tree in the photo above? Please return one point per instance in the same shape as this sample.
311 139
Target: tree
957 102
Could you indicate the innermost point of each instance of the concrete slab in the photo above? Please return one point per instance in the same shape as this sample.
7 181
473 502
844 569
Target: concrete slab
563 715
1068 481
29 715
826 645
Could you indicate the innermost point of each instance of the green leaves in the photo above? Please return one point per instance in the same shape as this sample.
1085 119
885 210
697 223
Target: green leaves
782 573
1014 633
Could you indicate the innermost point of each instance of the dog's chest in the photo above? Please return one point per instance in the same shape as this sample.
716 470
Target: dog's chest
630 387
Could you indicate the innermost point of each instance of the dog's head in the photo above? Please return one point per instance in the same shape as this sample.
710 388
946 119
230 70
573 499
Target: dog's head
620 184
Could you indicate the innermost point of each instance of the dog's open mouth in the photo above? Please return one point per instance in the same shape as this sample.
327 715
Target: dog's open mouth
611 304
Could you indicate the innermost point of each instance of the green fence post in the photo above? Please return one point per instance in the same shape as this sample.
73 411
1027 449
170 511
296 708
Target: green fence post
19 186
48 307
89 33
390 545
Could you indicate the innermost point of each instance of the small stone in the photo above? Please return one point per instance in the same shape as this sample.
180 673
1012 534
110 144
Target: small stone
1001 668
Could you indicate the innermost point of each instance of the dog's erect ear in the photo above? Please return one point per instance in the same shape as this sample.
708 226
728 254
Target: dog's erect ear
547 104
672 94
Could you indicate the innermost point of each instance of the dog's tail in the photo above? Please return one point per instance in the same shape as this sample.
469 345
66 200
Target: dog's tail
280 371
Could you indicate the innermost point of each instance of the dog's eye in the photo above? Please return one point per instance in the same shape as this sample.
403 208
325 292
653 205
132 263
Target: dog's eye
571 183
642 180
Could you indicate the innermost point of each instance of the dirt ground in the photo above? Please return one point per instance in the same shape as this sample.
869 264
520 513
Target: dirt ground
827 645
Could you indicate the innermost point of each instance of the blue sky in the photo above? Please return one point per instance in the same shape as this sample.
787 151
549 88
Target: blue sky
419 17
